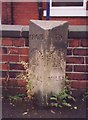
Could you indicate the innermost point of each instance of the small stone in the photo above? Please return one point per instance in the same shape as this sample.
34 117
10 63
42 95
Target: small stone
13 105
25 113
75 107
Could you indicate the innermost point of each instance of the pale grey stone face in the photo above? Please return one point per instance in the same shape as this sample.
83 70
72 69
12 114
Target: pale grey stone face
48 45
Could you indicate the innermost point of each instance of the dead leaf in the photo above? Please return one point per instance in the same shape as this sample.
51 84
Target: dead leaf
52 112
25 113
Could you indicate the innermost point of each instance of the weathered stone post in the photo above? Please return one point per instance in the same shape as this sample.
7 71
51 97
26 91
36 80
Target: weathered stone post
48 45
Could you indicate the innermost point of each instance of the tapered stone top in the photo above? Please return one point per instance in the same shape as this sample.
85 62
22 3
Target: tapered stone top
48 24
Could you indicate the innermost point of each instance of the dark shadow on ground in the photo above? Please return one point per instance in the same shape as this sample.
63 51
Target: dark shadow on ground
29 110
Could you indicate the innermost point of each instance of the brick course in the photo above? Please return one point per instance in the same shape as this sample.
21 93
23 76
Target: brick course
79 84
14 51
80 51
75 43
7 42
77 60
76 68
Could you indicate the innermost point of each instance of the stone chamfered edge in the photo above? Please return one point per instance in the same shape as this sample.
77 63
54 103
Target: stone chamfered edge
47 25
18 31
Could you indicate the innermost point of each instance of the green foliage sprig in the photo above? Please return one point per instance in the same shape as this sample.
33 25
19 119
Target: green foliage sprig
15 98
63 98
85 95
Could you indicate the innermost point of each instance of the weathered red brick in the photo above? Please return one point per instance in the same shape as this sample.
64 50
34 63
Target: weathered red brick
80 52
10 58
24 51
86 60
29 12
5 66
69 51
72 20
13 58
27 42
21 83
68 68
19 42
81 68
77 76
75 60
74 43
24 58
4 50
4 58
17 82
79 84
4 74
7 42
13 50
14 74
84 42
6 10
14 66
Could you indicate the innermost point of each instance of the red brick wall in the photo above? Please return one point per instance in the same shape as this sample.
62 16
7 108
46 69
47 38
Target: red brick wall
6 13
77 64
73 20
24 11
15 50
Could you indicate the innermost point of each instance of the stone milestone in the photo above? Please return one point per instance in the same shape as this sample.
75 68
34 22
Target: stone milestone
48 46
